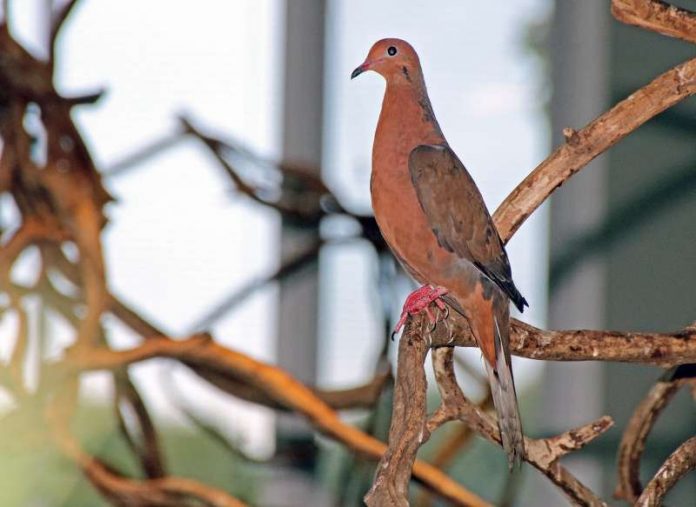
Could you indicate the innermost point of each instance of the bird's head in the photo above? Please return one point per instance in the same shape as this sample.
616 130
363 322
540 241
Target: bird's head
394 59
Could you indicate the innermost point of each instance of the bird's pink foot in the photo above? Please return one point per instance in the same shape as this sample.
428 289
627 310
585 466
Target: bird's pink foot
419 300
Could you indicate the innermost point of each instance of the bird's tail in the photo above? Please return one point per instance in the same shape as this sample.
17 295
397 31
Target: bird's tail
505 399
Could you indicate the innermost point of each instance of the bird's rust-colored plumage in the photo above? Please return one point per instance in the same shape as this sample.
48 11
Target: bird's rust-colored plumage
435 221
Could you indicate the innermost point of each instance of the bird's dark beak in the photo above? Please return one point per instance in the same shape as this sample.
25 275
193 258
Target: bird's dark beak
359 70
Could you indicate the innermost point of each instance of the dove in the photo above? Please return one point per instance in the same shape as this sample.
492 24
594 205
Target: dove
435 221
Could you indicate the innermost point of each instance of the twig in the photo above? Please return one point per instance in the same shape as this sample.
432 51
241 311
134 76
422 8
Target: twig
301 196
57 22
584 145
656 16
676 466
142 440
143 154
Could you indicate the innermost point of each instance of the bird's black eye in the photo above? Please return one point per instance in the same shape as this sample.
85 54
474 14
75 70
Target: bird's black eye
391 50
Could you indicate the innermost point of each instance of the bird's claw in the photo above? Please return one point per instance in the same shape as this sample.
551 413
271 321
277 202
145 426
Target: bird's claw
420 300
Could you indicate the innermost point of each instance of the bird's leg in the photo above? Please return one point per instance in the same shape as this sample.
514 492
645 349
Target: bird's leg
419 300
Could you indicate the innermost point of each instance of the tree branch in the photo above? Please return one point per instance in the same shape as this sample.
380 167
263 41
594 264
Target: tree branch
275 383
408 430
656 16
658 349
677 465
57 22
584 145
543 454
636 434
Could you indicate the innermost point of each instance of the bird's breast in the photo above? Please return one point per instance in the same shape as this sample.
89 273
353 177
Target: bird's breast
397 210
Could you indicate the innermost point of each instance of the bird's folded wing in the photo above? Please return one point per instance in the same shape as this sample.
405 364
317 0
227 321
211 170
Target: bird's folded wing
457 214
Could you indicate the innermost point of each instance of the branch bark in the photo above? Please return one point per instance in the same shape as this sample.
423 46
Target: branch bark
658 349
656 16
636 433
543 454
408 430
679 463
584 145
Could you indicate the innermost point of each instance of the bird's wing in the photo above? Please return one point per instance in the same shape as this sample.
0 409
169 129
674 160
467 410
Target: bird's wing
457 214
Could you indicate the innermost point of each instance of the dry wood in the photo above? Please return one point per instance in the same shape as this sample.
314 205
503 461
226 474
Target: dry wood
657 16
677 465
636 433
598 136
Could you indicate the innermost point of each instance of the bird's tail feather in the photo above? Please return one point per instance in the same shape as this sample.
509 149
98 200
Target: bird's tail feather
505 400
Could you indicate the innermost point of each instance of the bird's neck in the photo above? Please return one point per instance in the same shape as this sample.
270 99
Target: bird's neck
407 118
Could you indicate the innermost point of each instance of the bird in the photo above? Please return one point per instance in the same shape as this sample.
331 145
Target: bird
435 221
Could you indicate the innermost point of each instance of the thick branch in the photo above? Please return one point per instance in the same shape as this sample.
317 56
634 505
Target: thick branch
656 16
678 464
584 145
659 349
407 432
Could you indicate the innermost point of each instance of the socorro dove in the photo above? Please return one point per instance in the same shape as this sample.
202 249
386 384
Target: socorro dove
434 219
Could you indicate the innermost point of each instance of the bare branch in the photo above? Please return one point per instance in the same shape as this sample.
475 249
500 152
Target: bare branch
407 432
275 383
659 349
636 434
168 491
543 454
657 16
144 154
57 22
586 144
678 464
145 443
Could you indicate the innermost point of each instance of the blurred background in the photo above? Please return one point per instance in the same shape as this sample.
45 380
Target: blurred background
614 249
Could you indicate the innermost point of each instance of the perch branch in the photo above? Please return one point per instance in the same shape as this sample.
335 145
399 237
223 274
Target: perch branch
656 16
659 349
407 432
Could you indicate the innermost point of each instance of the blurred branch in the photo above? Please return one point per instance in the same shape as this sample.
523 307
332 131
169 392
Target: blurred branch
637 430
144 154
302 196
201 350
142 439
57 21
657 16
677 465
